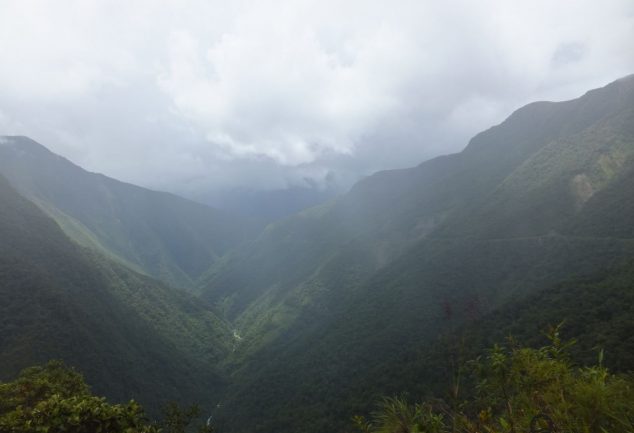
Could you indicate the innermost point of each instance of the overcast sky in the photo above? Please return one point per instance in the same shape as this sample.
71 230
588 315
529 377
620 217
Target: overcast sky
197 95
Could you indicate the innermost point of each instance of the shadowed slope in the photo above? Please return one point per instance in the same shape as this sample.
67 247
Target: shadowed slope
132 336
160 234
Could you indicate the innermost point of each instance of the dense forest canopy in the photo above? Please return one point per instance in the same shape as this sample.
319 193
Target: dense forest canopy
399 287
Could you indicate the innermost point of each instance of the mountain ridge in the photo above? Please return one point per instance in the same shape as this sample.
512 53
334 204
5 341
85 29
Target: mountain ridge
351 291
340 291
131 336
157 233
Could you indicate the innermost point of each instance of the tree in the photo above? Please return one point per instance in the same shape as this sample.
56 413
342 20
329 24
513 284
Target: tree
54 398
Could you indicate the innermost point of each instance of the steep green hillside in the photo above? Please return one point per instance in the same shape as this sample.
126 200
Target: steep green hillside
510 388
336 359
156 233
373 293
560 182
340 294
527 176
596 311
132 336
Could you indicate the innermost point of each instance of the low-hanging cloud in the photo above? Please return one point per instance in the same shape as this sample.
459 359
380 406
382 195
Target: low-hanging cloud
276 88
194 95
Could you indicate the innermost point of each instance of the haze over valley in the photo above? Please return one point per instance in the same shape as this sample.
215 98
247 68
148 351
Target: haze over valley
317 218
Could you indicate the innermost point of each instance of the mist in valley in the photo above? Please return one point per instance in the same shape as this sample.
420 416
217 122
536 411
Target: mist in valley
316 216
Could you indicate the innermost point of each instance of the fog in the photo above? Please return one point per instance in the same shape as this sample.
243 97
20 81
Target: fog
200 97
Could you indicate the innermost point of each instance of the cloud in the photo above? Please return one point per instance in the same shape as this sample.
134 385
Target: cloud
285 94
194 94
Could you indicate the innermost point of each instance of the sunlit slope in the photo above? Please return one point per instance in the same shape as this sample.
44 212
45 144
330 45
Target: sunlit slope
132 336
160 234
536 200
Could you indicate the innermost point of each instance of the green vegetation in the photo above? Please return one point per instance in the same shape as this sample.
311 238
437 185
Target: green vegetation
353 292
162 235
517 389
132 336
54 399
387 289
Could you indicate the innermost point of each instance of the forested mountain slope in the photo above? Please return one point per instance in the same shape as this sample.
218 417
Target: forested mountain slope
340 294
545 154
595 312
131 336
160 234
330 308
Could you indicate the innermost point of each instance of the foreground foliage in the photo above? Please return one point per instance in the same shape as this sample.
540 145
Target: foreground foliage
54 398
516 389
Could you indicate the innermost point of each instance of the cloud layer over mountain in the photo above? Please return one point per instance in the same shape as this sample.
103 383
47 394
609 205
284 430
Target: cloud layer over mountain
195 95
